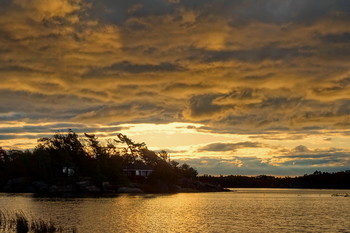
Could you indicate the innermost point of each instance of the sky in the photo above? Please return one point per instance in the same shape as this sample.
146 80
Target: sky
228 86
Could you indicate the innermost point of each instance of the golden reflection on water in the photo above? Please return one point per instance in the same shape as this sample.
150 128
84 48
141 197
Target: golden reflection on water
247 210
156 213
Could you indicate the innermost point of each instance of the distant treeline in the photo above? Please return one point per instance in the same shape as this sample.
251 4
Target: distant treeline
66 158
321 180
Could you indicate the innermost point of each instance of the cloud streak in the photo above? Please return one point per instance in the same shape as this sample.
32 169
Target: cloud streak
229 146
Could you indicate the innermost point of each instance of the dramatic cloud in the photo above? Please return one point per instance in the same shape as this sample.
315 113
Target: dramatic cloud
292 162
241 70
229 146
302 156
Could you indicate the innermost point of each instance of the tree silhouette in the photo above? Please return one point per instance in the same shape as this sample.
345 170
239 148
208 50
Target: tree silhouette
132 152
3 155
90 157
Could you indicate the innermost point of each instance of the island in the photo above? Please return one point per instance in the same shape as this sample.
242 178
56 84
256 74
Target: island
68 164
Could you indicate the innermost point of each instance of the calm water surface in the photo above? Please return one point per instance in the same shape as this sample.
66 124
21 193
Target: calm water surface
244 210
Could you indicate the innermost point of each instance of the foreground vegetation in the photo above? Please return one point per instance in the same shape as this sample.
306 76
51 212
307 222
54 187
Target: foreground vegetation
20 223
69 163
321 180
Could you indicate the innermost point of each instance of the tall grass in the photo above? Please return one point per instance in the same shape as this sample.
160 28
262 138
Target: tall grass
20 223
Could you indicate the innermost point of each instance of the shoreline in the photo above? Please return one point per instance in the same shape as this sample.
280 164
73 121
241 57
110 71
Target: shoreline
88 187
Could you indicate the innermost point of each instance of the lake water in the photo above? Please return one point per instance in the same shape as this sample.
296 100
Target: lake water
244 210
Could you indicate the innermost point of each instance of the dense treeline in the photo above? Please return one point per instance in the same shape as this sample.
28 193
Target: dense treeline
322 180
89 157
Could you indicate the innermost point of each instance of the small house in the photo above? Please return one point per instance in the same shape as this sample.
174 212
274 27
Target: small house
137 170
68 171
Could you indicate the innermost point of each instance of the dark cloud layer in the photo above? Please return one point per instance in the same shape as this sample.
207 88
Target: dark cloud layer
255 55
55 128
229 146
126 66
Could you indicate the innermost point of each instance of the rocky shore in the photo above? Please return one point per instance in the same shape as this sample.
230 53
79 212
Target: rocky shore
87 186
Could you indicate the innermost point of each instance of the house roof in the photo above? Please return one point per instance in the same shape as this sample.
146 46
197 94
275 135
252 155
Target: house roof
137 167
